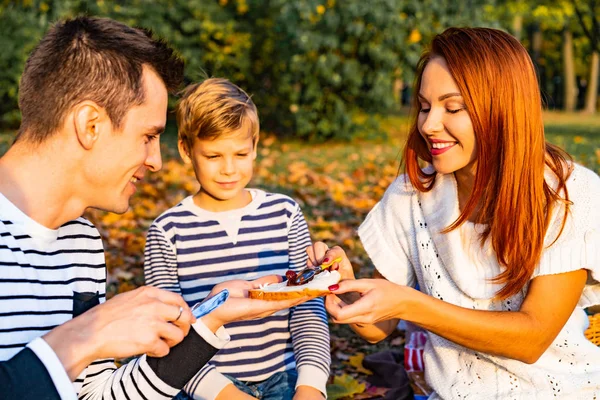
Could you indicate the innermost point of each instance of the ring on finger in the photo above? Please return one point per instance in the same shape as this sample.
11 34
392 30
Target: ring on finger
179 316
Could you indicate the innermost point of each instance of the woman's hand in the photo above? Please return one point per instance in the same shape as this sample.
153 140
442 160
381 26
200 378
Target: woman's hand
319 254
379 300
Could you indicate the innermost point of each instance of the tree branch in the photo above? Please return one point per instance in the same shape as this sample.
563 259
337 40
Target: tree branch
586 31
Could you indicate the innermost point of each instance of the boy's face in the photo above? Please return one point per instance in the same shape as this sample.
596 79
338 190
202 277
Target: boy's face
122 157
223 167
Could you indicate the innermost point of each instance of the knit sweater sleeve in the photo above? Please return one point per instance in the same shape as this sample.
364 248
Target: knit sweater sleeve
308 321
387 230
578 246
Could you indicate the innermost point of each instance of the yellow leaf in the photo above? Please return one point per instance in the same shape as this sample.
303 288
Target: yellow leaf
111 218
344 386
320 9
356 361
415 36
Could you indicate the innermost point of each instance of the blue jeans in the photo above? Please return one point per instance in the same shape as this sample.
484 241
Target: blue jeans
280 386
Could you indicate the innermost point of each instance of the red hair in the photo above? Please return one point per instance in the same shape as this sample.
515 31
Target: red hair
498 83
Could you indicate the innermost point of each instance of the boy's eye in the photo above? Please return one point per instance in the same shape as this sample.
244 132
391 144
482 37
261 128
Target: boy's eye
424 110
150 138
242 154
211 157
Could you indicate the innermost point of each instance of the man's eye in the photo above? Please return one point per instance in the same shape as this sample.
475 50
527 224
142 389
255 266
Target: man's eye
242 154
211 157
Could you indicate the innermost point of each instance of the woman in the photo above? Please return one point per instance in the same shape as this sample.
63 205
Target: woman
501 231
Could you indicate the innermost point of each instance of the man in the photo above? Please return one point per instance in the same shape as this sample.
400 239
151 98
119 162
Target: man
93 98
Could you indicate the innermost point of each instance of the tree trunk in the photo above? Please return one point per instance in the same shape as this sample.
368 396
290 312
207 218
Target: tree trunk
570 95
517 26
536 55
591 96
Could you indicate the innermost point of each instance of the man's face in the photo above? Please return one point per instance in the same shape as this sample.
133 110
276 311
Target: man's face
122 156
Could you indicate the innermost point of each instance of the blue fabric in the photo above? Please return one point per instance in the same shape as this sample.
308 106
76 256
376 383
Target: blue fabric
280 386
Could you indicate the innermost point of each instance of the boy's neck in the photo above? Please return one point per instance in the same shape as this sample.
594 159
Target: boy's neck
209 203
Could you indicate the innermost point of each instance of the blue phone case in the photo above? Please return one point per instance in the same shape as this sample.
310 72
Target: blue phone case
208 305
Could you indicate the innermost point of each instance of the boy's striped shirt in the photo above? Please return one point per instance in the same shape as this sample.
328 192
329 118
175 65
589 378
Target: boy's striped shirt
188 251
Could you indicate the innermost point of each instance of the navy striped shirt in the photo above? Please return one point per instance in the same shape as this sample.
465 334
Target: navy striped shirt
188 251
41 272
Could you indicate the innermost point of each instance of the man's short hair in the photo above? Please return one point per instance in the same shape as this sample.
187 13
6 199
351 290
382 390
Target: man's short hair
213 108
88 58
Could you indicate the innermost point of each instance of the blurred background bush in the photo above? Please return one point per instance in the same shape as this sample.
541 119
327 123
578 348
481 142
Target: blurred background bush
323 69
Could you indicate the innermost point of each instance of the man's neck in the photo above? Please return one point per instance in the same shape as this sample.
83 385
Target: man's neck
39 182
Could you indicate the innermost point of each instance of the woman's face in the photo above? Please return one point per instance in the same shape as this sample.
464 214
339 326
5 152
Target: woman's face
444 122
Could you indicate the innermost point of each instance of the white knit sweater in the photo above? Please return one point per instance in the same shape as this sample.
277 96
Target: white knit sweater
402 235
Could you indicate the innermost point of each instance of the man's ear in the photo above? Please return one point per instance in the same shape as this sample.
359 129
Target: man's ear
89 121
184 152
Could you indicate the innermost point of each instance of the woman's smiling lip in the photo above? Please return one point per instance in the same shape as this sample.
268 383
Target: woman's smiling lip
438 147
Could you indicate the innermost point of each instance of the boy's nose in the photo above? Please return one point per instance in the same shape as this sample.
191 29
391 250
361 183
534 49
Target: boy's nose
228 167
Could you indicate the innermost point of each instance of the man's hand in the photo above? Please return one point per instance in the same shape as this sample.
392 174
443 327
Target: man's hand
304 392
239 307
143 321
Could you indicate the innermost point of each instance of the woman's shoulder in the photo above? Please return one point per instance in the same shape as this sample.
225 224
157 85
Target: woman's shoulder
583 189
582 178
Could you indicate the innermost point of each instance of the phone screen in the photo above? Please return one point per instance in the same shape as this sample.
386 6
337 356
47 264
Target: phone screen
208 305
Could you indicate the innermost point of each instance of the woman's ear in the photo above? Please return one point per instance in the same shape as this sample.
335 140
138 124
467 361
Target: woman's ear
184 152
89 121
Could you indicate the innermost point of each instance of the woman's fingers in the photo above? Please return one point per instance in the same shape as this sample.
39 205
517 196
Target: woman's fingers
342 313
316 253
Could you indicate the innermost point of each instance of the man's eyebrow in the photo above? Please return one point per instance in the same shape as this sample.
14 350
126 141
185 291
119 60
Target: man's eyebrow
442 97
155 130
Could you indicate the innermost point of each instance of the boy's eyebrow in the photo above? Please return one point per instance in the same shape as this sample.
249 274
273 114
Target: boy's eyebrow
442 97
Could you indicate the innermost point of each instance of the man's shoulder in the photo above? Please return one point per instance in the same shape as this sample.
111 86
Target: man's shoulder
79 224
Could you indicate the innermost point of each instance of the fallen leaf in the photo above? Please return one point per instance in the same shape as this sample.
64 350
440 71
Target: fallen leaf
344 386
357 362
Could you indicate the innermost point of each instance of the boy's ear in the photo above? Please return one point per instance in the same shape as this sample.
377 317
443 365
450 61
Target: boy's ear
89 121
184 152
254 150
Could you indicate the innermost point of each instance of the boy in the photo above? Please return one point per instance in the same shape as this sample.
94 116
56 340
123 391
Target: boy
227 231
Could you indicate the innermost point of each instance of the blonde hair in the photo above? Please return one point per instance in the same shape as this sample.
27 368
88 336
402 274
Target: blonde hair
213 108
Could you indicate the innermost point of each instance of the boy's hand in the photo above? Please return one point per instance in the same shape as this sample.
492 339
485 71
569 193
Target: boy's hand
307 393
239 307
231 392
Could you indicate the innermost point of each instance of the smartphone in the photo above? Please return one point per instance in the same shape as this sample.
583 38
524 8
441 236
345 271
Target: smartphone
207 305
